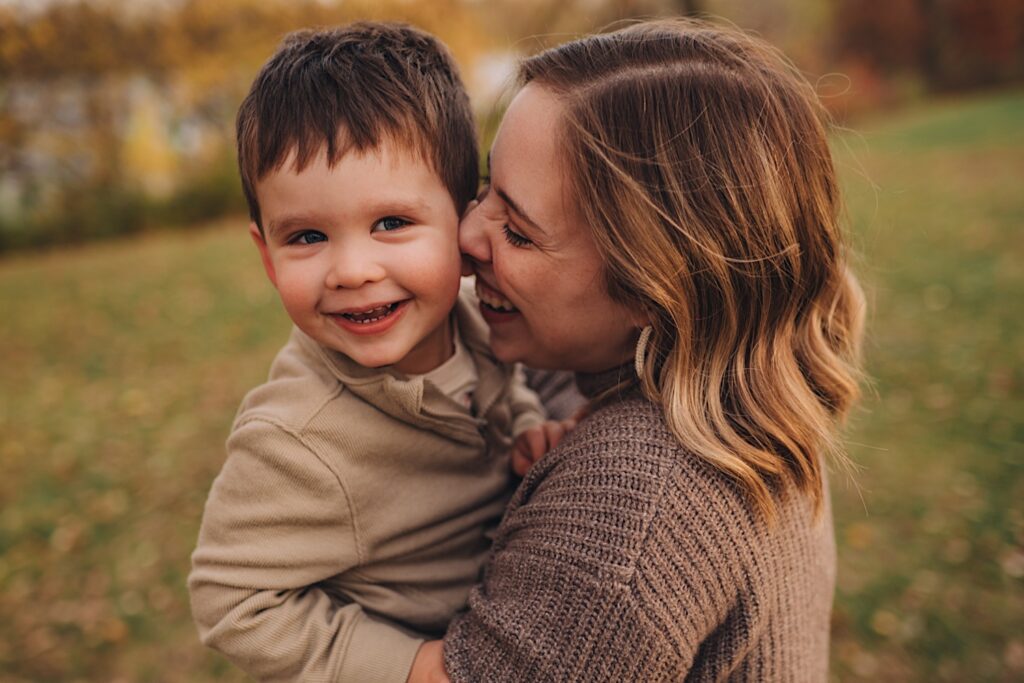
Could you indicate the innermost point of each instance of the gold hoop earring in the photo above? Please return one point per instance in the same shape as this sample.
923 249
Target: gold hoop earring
641 350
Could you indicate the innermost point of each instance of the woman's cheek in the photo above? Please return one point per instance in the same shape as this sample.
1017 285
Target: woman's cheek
503 268
521 279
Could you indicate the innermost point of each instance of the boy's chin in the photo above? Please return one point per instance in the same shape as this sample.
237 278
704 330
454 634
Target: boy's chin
402 360
373 361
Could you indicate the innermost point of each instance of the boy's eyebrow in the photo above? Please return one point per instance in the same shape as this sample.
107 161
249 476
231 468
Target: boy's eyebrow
511 202
287 223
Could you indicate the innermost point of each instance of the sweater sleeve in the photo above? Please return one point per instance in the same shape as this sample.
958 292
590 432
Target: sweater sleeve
527 410
594 575
576 628
277 522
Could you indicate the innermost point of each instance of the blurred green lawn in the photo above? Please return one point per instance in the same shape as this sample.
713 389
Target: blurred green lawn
124 363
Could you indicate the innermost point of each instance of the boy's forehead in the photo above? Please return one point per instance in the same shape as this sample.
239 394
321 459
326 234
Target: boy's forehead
388 178
394 149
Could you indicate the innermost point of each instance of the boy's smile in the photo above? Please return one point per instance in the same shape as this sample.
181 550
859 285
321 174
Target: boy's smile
370 320
364 255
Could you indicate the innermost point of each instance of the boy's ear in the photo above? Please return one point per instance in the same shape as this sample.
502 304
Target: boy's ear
261 244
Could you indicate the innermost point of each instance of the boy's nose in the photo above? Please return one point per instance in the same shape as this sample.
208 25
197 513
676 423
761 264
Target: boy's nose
474 241
352 268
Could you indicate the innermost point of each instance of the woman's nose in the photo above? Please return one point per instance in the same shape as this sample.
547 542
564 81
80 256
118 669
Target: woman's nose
473 234
352 267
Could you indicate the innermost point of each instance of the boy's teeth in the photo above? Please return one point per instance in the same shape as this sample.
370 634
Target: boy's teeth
370 316
495 301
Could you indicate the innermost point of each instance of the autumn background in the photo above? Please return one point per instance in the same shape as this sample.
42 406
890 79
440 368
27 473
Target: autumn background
136 315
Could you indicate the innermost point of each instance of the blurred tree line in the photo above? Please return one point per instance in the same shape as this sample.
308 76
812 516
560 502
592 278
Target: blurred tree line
116 116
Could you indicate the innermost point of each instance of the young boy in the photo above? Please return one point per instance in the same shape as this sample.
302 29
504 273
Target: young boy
352 514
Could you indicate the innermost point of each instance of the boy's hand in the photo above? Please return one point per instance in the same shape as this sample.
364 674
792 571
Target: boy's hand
428 667
533 443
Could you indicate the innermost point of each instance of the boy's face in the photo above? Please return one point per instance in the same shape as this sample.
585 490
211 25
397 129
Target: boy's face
365 255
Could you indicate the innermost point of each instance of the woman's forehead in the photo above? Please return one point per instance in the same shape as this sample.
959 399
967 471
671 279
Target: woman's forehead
525 162
532 119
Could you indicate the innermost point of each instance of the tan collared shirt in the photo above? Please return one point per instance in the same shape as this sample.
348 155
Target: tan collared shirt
353 513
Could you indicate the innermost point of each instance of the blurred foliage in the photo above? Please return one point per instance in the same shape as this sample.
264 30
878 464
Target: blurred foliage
931 579
124 364
117 116
950 44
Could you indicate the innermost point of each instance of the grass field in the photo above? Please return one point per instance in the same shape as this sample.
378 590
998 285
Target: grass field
124 363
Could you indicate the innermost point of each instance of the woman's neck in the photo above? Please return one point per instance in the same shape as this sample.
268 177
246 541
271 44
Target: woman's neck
601 385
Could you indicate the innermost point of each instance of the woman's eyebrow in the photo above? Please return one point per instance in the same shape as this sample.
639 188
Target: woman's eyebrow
511 202
516 208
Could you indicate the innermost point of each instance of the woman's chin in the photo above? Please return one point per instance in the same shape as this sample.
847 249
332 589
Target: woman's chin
509 347
504 351
531 358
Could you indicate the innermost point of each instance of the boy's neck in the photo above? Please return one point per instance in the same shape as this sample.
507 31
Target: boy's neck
431 353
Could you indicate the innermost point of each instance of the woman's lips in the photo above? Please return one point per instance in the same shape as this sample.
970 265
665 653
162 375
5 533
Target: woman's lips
493 298
493 305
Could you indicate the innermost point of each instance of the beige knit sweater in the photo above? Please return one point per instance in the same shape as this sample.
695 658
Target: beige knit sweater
622 557
353 513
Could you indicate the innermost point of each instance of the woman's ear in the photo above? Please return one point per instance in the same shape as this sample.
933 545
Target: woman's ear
640 316
641 319
261 244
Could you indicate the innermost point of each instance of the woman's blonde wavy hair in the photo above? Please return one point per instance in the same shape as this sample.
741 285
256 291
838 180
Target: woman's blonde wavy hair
697 155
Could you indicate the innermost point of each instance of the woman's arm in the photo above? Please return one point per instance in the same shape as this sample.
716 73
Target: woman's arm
609 565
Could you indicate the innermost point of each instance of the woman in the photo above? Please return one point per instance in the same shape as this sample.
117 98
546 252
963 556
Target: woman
662 219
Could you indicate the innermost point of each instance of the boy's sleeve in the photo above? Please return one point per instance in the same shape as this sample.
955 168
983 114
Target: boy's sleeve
276 523
527 410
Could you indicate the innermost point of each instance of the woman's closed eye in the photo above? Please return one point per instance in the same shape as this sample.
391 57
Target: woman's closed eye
514 238
389 223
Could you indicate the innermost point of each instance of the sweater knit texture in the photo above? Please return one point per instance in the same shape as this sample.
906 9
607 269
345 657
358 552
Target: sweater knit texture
354 512
624 557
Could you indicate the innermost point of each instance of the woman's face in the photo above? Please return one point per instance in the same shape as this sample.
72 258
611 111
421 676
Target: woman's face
539 276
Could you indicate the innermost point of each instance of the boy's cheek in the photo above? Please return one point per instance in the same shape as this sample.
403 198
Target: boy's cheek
293 295
436 266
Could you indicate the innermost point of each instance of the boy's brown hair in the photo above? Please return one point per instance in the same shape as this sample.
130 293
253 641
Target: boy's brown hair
350 88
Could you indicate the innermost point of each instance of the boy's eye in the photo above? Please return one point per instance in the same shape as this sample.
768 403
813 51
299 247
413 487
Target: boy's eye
308 237
389 223
514 238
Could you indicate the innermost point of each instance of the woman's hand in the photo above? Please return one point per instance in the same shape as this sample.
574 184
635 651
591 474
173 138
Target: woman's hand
428 667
